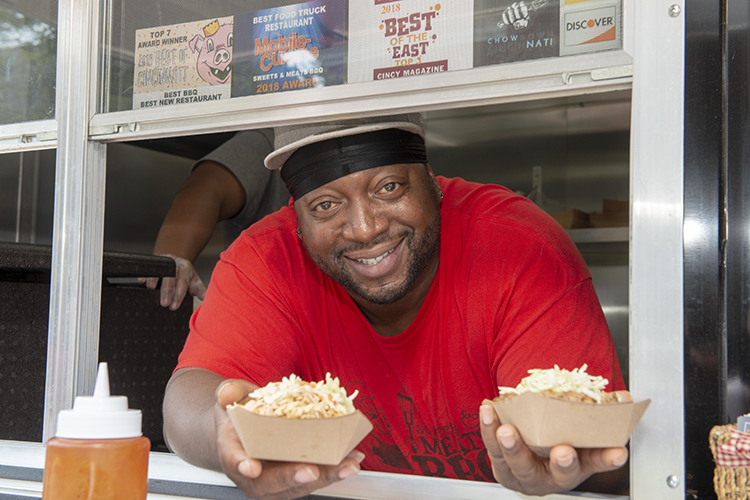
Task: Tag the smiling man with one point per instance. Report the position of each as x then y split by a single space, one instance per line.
423 293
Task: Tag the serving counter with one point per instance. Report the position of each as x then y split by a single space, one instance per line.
172 479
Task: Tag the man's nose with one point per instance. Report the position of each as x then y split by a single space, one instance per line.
364 221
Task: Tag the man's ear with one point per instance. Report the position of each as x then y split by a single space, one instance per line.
436 186
429 170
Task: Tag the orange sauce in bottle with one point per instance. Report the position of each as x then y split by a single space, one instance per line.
96 469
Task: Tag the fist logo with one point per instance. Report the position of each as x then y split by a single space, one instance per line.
517 15
214 52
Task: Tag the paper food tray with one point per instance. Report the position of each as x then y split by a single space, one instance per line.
324 441
546 422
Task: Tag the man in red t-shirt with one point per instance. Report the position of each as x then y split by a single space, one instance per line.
422 293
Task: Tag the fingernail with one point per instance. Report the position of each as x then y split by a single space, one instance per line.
507 439
488 414
305 475
218 394
619 462
358 456
348 471
245 468
565 461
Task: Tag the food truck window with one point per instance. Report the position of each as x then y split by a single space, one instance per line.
26 206
568 155
28 49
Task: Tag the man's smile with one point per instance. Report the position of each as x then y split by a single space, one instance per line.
376 262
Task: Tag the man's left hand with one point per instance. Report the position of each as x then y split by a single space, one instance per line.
517 467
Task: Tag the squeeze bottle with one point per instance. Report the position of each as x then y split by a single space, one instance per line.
98 451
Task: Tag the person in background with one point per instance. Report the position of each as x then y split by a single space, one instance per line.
422 293
230 184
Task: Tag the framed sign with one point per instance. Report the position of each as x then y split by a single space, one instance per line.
398 38
290 48
183 63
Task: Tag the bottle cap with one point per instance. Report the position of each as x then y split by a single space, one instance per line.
100 416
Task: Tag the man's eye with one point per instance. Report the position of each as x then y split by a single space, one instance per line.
321 207
391 187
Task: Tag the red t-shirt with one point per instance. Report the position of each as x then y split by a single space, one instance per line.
511 293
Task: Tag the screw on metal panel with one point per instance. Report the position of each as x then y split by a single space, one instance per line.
675 10
673 481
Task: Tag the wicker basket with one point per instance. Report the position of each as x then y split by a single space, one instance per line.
730 483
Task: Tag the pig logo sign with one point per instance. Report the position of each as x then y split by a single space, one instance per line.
183 63
214 50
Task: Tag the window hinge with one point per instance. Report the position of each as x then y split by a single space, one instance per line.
101 130
599 74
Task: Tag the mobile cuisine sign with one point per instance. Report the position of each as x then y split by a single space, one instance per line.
183 63
289 48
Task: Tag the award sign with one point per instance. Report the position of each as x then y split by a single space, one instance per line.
397 38
183 63
290 48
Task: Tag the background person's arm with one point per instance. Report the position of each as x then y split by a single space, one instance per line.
210 194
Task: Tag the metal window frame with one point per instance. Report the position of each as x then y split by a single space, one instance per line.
656 279
539 79
657 451
28 136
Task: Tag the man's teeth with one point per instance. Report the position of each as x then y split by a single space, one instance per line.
372 262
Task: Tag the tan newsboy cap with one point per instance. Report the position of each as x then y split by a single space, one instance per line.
290 138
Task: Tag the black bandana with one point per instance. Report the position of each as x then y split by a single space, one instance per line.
322 162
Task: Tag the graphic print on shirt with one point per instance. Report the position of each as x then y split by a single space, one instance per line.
450 450
379 442
409 408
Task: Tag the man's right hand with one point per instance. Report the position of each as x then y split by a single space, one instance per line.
262 479
173 290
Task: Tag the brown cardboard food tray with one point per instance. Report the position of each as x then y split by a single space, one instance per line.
610 205
610 219
546 422
324 441
572 219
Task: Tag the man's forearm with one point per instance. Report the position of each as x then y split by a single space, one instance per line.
189 424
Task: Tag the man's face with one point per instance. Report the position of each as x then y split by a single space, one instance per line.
376 232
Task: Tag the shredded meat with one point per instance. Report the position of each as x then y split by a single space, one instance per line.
607 397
